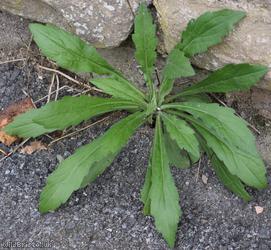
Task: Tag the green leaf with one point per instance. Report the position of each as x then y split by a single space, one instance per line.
248 168
97 169
69 51
164 196
177 66
232 77
182 134
232 182
119 88
230 139
165 89
23 125
223 121
145 41
71 174
61 114
207 30
178 158
145 192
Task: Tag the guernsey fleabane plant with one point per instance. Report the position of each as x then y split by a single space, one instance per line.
186 123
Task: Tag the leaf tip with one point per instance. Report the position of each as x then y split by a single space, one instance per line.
238 13
170 240
47 203
143 6
33 27
264 68
242 13
247 198
8 130
45 206
264 184
43 209
146 211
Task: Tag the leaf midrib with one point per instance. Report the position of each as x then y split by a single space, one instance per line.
230 149
112 105
195 87
204 31
184 138
82 55
206 113
137 93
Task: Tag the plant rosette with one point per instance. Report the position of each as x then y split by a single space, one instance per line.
186 124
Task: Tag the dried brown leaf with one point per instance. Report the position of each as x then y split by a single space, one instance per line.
7 139
7 116
34 146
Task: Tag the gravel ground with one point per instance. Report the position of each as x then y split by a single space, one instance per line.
108 214
13 31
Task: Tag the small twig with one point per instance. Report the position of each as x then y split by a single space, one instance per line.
15 149
199 165
13 60
29 44
33 103
3 152
61 88
83 92
57 87
225 105
25 93
50 137
77 131
50 87
46 96
217 99
157 76
70 78
130 7
27 50
5 157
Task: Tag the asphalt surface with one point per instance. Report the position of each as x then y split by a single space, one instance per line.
108 213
